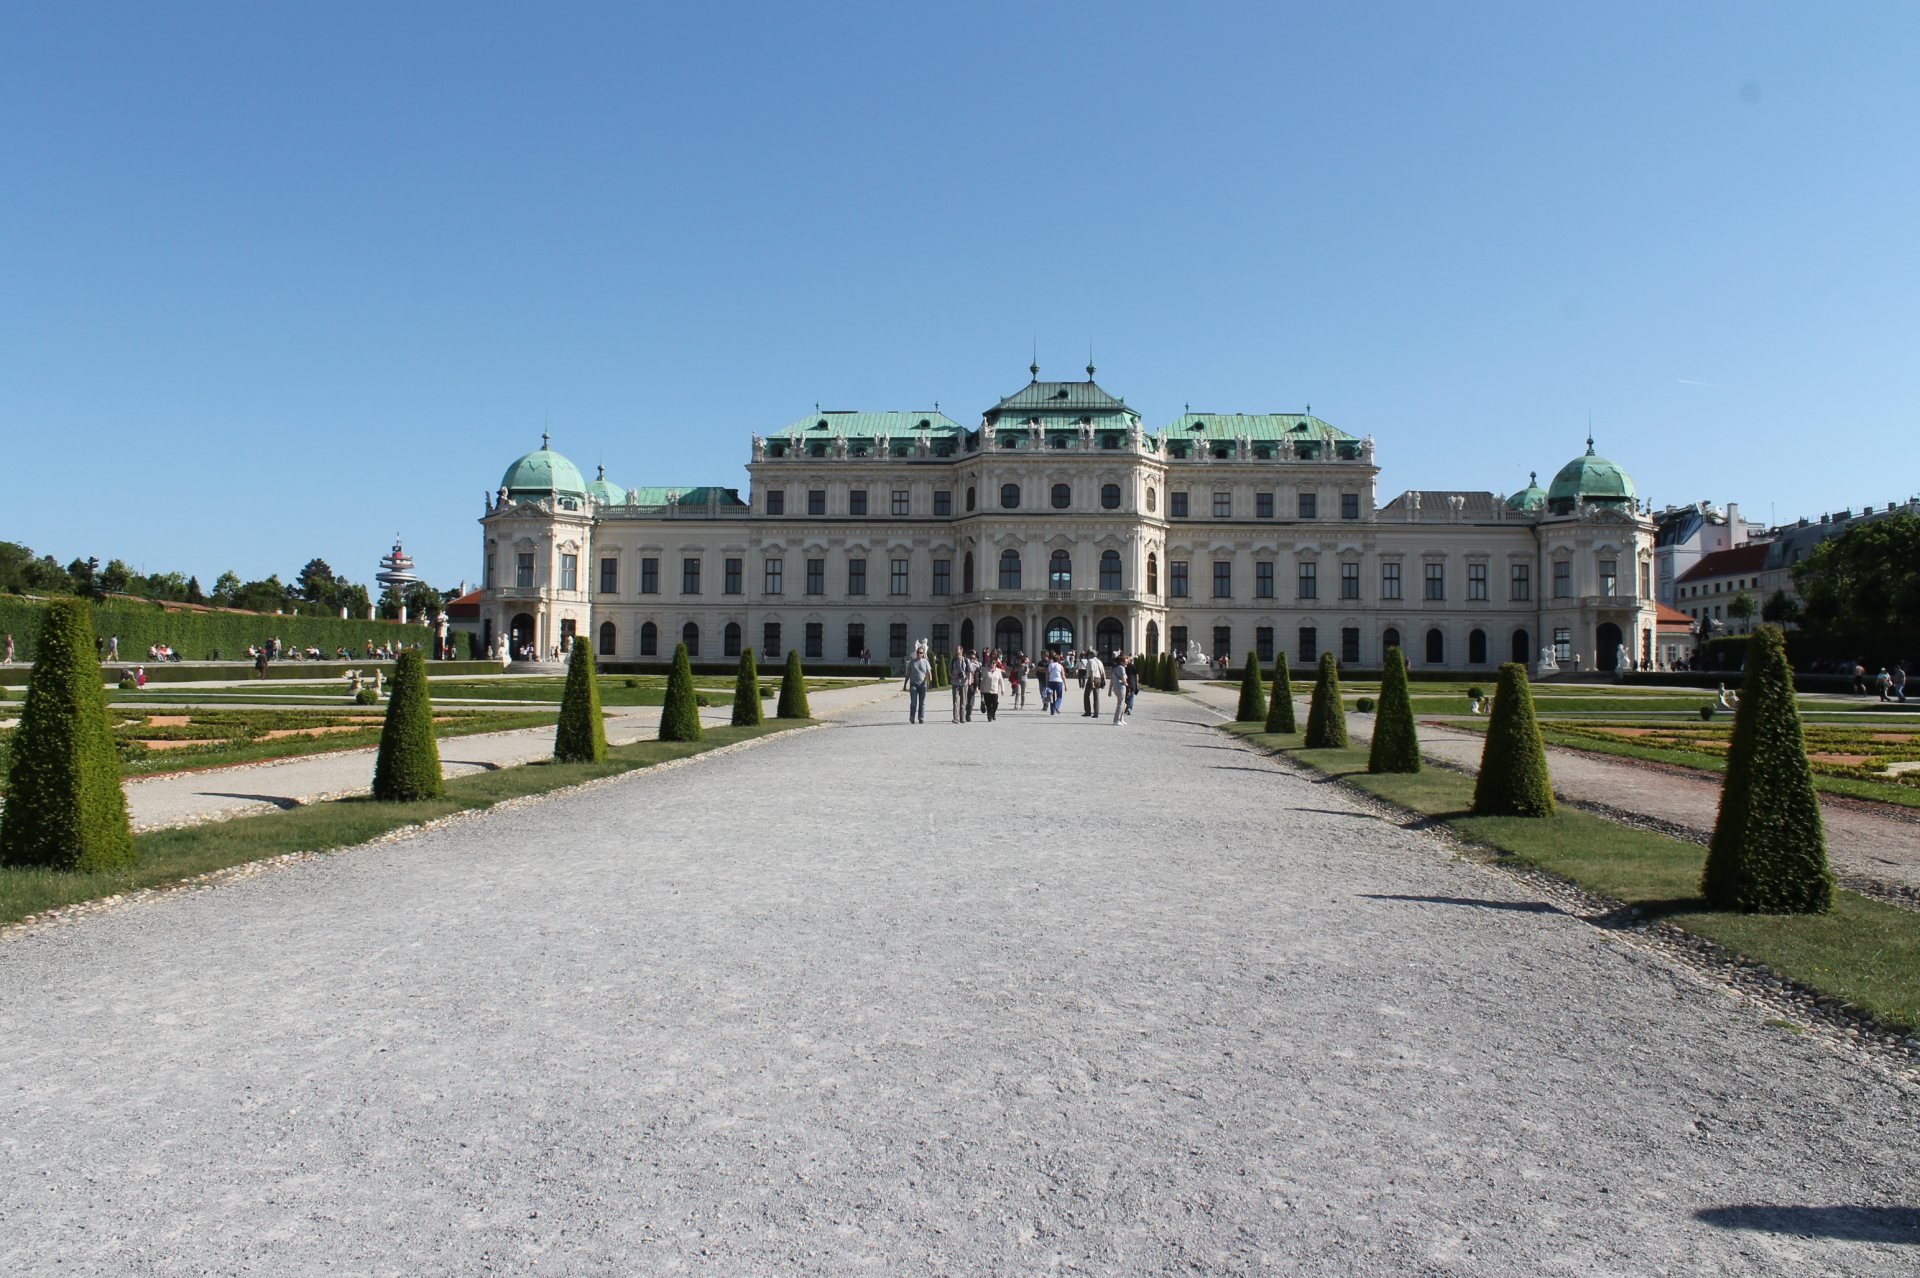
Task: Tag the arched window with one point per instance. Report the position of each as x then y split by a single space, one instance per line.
1477 648
1062 496
1151 500
1009 570
966 634
1009 496
606 638
729 640
1009 636
1522 648
1109 636
970 495
1436 648
649 640
966 574
1389 638
1153 575
1060 635
1109 570
690 636
1060 571
1153 638
1110 496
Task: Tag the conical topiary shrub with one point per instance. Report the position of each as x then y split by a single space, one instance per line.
746 692
1326 714
65 809
1253 696
582 734
1513 765
1173 674
1280 698
680 714
1769 848
793 690
409 764
1396 746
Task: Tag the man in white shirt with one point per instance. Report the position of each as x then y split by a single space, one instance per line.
1090 697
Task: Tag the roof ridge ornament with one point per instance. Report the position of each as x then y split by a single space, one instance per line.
545 441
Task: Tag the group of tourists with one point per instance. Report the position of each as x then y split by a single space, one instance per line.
990 679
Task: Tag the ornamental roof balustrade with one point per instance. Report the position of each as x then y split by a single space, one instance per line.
1077 594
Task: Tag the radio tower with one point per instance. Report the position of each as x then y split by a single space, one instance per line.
396 573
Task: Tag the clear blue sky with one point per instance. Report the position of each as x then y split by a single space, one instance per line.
278 281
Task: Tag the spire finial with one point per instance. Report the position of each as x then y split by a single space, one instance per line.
1034 367
603 471
545 441
1089 359
1533 479
1589 432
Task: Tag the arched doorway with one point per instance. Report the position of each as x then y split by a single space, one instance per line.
730 640
1010 636
690 636
607 637
1607 640
1153 638
649 639
1389 638
1060 635
1477 648
1522 649
1436 648
520 634
966 634
1109 636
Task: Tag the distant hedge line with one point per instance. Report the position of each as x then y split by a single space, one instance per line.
731 666
197 635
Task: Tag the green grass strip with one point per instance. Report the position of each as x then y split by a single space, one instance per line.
169 856
1865 952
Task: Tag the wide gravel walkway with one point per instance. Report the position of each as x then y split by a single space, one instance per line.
1031 997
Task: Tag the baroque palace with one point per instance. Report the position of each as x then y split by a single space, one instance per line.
1060 521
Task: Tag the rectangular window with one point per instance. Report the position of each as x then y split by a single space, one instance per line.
776 501
1309 505
1177 579
1562 644
649 640
770 640
1309 580
1520 586
1178 637
1263 644
1436 581
523 569
816 641
1223 579
938 640
569 572
856 639
1609 577
942 503
609 576
897 640
856 576
1109 572
487 580
901 502
1223 505
735 575
1309 650
1390 581
1476 581
1563 580
1263 505
649 576
1350 507
776 583
1646 580
689 576
816 501
1223 642
898 584
816 576
943 576
857 502
1263 580
1350 644
1178 505
1349 581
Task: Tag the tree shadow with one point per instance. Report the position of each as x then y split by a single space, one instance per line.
1854 1223
280 801
1360 816
485 766
1520 907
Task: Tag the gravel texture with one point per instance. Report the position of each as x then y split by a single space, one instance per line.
1036 996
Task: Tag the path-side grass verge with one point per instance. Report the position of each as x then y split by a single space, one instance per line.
1865 953
169 856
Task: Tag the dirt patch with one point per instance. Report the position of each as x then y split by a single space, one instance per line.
168 720
171 744
277 733
1849 760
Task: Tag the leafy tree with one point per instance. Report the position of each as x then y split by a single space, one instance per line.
226 588
409 764
1741 608
116 578
1326 713
84 574
16 562
65 809
1866 580
352 596
1253 697
680 715
1513 777
793 690
746 692
581 736
1280 717
316 582
194 594
1780 608
262 596
1769 849
422 600
1396 745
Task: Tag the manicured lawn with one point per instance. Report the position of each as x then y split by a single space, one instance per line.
1864 952
168 856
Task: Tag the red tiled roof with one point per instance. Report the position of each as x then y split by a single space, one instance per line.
1669 618
1751 557
467 605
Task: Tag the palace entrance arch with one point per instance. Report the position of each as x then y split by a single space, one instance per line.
1060 635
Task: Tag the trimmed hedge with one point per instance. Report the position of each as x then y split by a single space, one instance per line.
1513 777
1280 717
1768 854
793 690
746 692
1172 671
65 809
408 768
197 635
729 666
680 712
1253 697
1396 744
581 736
1326 713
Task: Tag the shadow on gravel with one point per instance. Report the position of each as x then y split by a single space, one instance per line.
1359 816
1522 907
1859 1224
280 801
481 764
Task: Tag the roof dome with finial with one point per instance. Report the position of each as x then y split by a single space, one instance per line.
1593 479
542 472
607 494
1532 497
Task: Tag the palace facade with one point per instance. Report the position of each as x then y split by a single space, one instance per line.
1060 520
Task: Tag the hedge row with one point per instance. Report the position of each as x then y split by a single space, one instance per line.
198 635
731 666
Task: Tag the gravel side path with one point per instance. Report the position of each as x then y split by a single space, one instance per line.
1859 842
1039 996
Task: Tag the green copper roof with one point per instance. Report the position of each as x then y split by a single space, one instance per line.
1594 478
694 495
1282 434
1044 399
1532 497
857 425
607 494
543 471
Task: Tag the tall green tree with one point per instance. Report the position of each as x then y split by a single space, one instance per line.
1253 696
65 809
793 690
1326 713
1396 744
1864 581
408 767
1513 777
1769 849
1280 717
581 736
746 692
1173 673
680 715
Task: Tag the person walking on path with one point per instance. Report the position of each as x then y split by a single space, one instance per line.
957 681
1056 684
992 680
1096 676
919 670
1133 683
1119 675
113 648
1899 680
9 656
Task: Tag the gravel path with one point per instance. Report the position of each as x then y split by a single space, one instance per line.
1039 996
